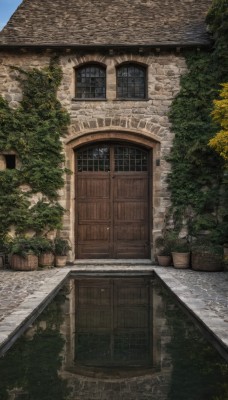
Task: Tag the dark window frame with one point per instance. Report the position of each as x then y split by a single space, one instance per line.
86 69
102 157
130 158
141 67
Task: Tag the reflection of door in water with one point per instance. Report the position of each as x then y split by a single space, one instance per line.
113 322
112 202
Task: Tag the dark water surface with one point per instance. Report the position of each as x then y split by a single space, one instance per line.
113 339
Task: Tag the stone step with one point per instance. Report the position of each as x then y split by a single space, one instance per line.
112 262
111 270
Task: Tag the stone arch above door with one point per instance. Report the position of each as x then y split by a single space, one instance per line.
133 130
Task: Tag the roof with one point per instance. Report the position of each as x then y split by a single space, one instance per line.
107 23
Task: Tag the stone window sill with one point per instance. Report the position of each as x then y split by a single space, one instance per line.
80 99
132 99
101 100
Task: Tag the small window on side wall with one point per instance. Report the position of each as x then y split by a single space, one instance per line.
7 161
131 82
90 82
10 161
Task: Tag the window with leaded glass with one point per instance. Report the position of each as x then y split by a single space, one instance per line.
116 158
91 82
94 159
130 159
131 81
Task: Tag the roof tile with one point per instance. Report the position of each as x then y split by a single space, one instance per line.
107 22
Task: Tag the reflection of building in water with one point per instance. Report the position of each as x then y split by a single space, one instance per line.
108 340
113 323
18 394
113 329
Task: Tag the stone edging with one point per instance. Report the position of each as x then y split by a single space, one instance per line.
18 321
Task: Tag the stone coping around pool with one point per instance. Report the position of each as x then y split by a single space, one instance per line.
203 294
210 312
29 309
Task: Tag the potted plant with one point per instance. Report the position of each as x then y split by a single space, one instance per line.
3 252
207 256
46 252
181 253
163 247
225 250
24 253
61 248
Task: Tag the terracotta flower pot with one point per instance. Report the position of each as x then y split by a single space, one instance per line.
225 250
164 261
46 260
28 263
2 260
60 261
181 260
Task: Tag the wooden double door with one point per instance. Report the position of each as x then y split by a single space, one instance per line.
112 202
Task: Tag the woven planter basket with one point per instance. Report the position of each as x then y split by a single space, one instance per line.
46 260
28 263
206 262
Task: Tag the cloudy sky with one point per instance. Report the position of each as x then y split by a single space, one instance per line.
7 8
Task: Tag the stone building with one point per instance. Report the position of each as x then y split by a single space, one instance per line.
122 61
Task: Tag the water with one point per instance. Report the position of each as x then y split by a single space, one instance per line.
113 339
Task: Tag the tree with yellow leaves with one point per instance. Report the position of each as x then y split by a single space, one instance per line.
220 115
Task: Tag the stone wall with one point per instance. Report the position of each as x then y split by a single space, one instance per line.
144 121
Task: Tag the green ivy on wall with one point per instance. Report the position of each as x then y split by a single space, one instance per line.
217 21
197 179
33 131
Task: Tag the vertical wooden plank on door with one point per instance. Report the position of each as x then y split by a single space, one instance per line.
94 215
131 215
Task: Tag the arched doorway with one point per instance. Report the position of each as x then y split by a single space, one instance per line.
112 201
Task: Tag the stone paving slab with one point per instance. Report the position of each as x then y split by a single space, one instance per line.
23 296
204 294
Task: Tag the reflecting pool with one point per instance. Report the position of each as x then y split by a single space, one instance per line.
113 339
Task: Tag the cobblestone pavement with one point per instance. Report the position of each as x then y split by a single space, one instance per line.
211 287
16 286
205 294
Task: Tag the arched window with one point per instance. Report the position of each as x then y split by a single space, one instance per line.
131 81
91 82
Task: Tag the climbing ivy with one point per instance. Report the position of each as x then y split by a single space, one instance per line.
196 180
217 20
33 131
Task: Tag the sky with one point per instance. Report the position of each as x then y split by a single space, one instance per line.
7 8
